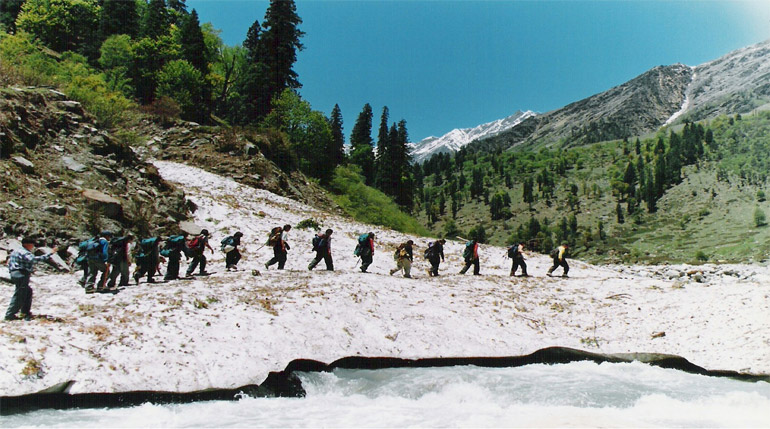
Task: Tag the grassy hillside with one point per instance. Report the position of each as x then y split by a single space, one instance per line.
712 211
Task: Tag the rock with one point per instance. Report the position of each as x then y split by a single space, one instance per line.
10 244
190 227
3 256
250 149
56 209
14 205
71 106
198 142
73 165
111 207
55 260
25 165
658 334
5 276
698 277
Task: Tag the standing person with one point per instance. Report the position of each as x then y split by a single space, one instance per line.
232 254
197 246
21 265
559 256
435 254
280 242
322 246
148 259
365 250
516 252
471 257
120 260
173 249
98 254
404 258
82 259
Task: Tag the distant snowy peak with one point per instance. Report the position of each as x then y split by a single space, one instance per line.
458 138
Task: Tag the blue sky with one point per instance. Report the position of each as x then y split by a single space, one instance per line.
442 65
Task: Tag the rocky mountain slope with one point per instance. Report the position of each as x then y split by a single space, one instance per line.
735 83
62 177
458 138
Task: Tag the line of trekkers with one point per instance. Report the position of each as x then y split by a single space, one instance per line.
105 259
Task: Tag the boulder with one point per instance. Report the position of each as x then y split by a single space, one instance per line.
55 260
111 207
190 227
56 209
25 165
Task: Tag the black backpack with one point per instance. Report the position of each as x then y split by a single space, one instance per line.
513 251
117 250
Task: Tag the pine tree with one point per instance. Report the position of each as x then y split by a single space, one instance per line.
252 85
279 44
118 17
155 22
619 213
194 48
361 145
338 138
383 161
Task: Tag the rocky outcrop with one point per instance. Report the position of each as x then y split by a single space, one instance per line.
64 177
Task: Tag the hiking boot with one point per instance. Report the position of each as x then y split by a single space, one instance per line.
564 276
407 276
11 318
89 291
267 266
549 274
136 279
26 317
151 281
392 271
525 275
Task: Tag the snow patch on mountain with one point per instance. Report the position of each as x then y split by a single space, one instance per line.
457 138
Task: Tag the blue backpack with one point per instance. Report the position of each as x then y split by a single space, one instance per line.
362 239
468 252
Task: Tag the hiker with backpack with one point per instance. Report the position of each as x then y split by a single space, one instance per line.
81 261
322 246
21 265
435 254
516 253
120 260
172 251
230 248
148 259
98 254
365 250
559 256
279 240
196 247
471 257
404 258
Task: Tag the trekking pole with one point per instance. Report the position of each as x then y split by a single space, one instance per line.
359 260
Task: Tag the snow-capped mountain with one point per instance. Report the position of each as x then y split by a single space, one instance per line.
457 138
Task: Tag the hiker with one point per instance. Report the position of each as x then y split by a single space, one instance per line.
98 254
435 254
148 259
230 248
21 265
365 250
172 250
322 246
471 257
279 239
516 253
196 247
559 259
404 258
82 259
120 260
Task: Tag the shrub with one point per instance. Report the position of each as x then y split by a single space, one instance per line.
700 256
759 217
366 204
309 224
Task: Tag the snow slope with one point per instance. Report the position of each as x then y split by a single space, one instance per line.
231 329
457 138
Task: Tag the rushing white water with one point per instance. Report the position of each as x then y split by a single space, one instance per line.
577 395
